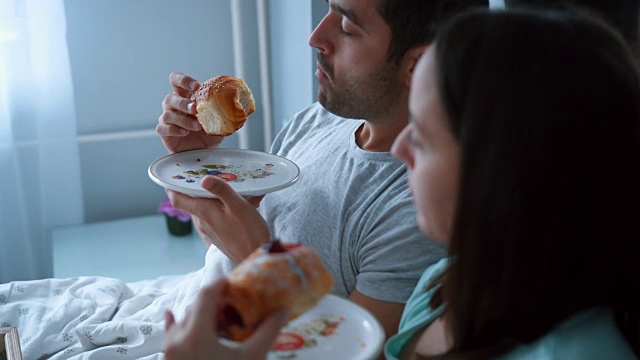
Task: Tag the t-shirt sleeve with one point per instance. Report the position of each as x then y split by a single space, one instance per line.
395 254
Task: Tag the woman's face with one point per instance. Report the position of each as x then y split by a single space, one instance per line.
431 152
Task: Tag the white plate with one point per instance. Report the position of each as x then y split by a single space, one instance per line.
335 329
250 173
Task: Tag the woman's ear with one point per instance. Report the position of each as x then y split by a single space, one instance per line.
410 61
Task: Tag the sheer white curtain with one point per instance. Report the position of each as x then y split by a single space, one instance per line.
40 185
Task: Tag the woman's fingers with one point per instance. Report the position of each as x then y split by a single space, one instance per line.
262 339
208 301
170 320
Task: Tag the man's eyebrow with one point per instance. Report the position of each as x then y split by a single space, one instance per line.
349 14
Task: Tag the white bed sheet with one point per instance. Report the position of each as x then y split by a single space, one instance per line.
101 318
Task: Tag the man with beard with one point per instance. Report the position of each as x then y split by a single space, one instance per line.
352 202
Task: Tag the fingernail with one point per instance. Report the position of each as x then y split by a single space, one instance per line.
193 85
190 107
184 131
195 125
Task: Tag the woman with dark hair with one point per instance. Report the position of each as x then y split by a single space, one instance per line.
524 157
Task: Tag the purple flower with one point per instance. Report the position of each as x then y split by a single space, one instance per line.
168 209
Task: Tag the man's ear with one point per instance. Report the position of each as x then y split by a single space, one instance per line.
410 61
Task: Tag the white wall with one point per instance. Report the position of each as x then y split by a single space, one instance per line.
121 54
292 62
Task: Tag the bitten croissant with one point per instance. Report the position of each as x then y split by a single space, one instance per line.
223 103
272 278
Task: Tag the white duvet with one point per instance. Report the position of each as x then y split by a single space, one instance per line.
100 318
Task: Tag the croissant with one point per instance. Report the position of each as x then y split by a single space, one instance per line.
223 104
272 278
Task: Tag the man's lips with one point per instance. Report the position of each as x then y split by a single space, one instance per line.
320 73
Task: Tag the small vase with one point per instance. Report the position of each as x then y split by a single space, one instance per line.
177 227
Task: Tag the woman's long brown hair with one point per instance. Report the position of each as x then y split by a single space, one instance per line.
545 106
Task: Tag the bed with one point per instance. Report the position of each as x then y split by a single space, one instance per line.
100 317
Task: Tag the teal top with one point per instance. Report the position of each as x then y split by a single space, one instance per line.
590 334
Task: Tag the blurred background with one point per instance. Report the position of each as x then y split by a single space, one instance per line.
81 86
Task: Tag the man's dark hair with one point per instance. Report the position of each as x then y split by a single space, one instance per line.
415 22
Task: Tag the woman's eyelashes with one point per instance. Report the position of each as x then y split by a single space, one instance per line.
414 141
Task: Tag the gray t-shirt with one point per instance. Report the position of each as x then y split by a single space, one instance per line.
353 206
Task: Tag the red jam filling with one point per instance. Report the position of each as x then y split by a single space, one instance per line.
276 246
228 316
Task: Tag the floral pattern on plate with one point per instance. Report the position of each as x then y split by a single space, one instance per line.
226 172
305 335
335 328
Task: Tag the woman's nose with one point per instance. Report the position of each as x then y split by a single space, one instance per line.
400 147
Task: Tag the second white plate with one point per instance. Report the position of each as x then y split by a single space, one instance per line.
335 329
250 173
